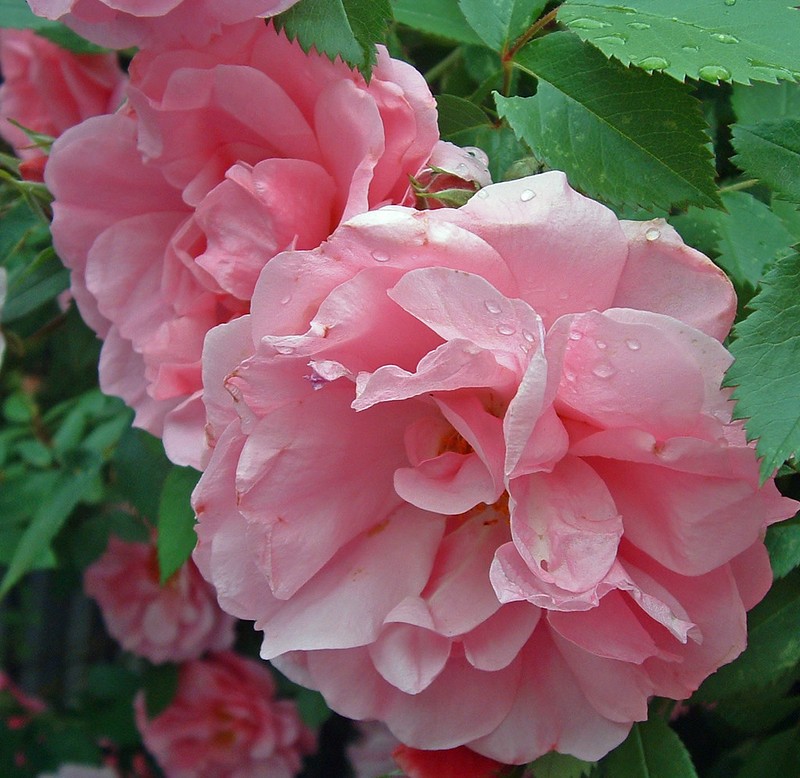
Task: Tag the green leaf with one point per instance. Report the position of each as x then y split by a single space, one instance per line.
763 102
437 17
339 28
500 22
141 466
775 756
458 115
770 151
555 765
41 281
16 14
620 135
712 41
752 238
652 750
176 536
783 544
160 685
500 144
773 645
765 374
757 714
312 708
54 510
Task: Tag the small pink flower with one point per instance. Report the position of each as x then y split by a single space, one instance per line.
48 89
119 24
225 723
171 623
167 211
475 476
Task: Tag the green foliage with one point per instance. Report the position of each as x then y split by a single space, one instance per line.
620 135
652 750
765 374
499 23
764 102
783 544
458 117
773 645
711 41
160 685
339 28
778 756
442 18
555 765
176 537
770 151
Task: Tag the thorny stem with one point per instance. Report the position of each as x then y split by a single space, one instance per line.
508 54
440 67
739 186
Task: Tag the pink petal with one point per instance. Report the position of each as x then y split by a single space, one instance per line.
664 275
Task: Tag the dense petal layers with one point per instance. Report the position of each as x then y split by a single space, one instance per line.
225 720
48 89
474 475
171 623
119 24
222 157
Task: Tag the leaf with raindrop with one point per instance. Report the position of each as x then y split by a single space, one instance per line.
725 40
620 135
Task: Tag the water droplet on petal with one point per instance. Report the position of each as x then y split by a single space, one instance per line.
653 63
529 336
505 329
714 73
526 195
604 370
316 380
584 23
287 299
633 344
575 335
652 234
492 306
639 25
285 350
461 168
600 344
724 37
483 194
380 256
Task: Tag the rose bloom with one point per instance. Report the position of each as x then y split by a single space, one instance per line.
48 89
475 476
171 623
118 24
167 211
225 722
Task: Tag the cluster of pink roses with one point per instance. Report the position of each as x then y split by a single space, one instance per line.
470 470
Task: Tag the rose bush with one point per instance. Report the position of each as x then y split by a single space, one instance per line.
122 23
474 474
171 623
48 89
225 722
167 211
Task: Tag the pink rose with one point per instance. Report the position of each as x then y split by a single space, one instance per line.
48 89
171 623
476 477
225 722
122 23
167 211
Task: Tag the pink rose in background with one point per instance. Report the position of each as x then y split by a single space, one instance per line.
474 475
171 623
122 23
167 211
49 89
225 722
